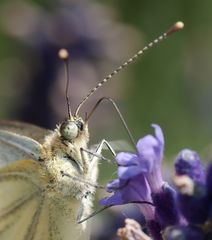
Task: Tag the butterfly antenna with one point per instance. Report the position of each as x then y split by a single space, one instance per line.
64 55
119 114
176 27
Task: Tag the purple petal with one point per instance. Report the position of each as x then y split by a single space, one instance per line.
150 153
113 185
158 134
146 152
130 172
135 190
125 159
150 149
115 199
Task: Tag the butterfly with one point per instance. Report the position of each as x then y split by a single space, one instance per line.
48 178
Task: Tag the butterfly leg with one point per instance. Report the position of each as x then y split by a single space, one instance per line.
97 152
99 156
100 147
96 155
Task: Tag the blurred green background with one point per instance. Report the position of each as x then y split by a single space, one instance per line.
170 85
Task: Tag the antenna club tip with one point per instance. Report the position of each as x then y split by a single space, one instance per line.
176 27
63 54
179 25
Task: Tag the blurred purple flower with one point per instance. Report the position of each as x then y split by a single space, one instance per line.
188 163
194 198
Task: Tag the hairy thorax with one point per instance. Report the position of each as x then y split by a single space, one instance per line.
67 167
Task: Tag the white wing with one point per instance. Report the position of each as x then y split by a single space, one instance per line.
20 200
20 141
30 211
15 147
25 129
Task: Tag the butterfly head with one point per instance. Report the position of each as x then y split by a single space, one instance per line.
72 128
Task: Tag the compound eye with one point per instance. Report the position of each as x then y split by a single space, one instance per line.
79 125
69 130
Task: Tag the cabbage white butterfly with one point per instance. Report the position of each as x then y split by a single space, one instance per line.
47 178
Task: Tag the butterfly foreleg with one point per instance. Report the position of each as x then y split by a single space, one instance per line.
100 147
96 155
93 173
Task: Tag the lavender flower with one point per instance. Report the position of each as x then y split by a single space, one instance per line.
140 179
184 214
136 169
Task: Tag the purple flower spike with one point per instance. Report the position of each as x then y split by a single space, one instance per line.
188 163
